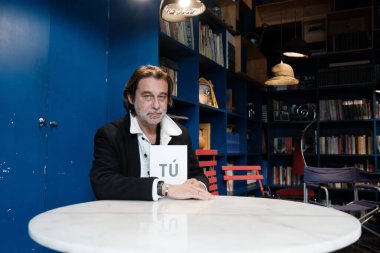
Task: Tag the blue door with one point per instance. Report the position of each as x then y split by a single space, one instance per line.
24 45
77 97
53 67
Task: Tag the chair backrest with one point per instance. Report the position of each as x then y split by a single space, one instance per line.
368 177
252 173
317 175
299 162
207 161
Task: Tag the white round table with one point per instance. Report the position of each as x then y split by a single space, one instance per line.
225 224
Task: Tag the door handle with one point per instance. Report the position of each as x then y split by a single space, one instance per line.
42 122
53 123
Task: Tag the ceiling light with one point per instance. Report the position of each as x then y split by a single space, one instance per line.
179 10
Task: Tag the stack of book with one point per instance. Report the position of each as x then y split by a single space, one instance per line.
342 73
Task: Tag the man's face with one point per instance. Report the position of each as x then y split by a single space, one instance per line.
151 100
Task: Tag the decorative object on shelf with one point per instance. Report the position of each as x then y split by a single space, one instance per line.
281 116
204 135
179 10
251 110
206 93
283 74
296 47
306 112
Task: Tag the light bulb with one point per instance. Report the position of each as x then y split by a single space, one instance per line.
184 3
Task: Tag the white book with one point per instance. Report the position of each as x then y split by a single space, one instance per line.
169 163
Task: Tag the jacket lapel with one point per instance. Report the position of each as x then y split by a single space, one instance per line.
132 156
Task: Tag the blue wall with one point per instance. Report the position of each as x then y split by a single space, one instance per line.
65 61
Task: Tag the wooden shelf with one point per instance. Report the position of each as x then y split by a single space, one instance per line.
291 11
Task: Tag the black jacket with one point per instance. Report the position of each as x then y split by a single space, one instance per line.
115 172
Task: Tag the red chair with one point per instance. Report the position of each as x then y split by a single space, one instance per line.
207 161
252 173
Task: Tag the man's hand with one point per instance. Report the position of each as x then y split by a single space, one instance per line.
196 183
189 190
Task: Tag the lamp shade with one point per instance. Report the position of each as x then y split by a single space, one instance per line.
296 47
179 10
283 74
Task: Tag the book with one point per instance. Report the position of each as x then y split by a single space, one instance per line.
230 51
169 163
348 63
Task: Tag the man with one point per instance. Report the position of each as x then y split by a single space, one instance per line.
121 153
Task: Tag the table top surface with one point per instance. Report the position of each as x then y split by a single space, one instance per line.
224 224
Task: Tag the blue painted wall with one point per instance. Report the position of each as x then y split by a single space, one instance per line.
66 61
133 41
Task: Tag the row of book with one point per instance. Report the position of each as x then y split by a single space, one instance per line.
211 44
337 109
349 41
180 31
364 73
171 68
346 144
284 175
283 145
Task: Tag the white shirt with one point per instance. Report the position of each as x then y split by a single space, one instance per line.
168 129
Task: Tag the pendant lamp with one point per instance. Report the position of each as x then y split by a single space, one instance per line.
296 47
283 74
179 10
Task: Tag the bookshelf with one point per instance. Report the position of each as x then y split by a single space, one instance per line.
345 131
345 100
229 123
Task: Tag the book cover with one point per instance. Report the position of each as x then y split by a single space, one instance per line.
169 163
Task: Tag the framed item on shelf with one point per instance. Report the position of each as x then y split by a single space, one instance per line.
204 135
206 93
281 116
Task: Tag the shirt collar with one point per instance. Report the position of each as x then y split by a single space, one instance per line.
168 126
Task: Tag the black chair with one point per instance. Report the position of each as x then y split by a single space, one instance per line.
299 164
363 209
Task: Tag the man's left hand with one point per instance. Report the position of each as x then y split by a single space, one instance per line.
196 183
